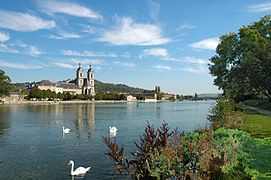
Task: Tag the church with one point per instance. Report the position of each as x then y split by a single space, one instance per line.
80 85
86 84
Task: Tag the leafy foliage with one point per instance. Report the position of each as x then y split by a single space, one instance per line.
109 96
207 154
223 113
242 65
4 84
245 156
151 143
51 95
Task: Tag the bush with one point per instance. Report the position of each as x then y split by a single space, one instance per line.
164 154
225 113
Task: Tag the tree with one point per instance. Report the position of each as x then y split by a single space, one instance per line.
4 84
242 65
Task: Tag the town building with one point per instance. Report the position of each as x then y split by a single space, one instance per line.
131 98
151 98
80 85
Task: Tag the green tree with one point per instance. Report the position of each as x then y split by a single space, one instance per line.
4 84
242 65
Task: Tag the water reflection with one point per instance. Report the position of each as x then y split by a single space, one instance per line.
112 134
85 115
4 119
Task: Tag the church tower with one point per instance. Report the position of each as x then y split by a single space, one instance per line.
79 76
90 80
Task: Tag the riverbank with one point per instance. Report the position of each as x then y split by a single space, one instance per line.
73 102
58 102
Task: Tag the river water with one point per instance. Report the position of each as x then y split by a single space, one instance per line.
32 145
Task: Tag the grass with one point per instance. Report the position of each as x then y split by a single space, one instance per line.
256 124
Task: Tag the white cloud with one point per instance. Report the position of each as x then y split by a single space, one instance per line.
88 29
73 9
260 7
34 51
210 43
5 49
197 70
20 48
4 37
163 53
29 49
192 60
23 21
64 65
65 35
155 52
185 26
162 67
127 32
88 61
87 53
125 64
18 65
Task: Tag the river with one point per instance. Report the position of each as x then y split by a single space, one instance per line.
32 145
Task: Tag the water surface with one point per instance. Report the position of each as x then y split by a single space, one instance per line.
32 145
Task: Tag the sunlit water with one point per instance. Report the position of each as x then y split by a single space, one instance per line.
32 145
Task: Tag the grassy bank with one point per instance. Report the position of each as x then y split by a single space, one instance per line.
252 130
256 124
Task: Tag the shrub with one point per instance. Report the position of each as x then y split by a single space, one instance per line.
225 113
151 144
164 154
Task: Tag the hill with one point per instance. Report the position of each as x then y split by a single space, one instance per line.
115 88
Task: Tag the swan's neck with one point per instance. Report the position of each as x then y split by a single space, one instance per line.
72 166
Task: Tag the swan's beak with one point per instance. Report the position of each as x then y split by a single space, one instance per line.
69 163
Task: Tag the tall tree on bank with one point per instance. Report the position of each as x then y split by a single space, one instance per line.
242 64
4 84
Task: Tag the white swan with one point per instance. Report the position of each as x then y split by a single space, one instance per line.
65 130
112 130
79 170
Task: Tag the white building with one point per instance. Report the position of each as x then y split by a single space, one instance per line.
86 84
131 98
81 86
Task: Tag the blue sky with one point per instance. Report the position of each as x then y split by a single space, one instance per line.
143 43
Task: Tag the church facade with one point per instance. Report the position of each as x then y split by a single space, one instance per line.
86 84
81 84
